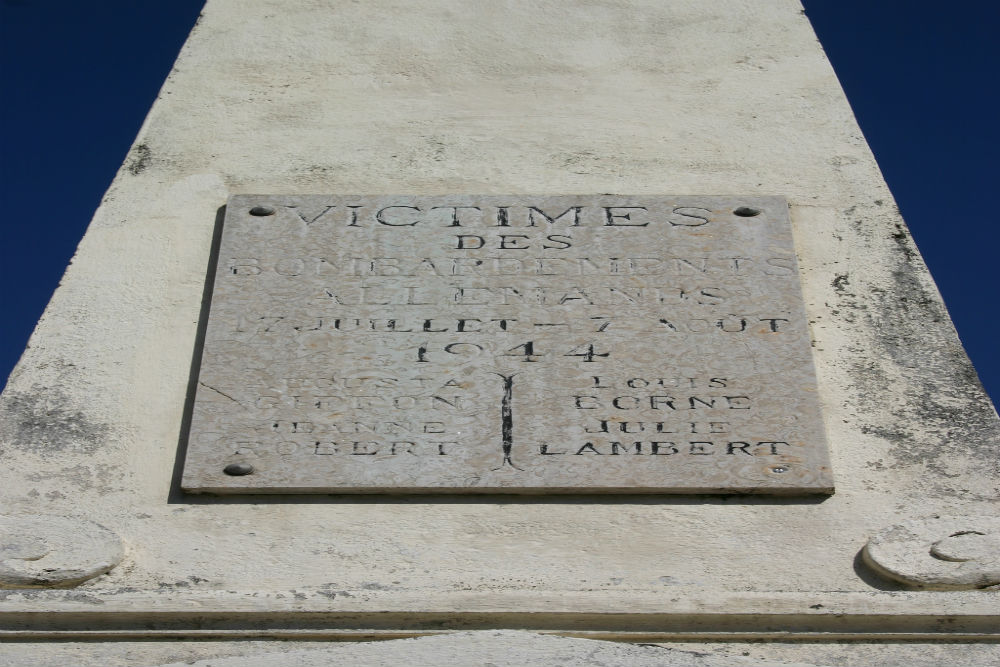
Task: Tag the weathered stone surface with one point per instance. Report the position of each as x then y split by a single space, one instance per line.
507 343
940 552
47 551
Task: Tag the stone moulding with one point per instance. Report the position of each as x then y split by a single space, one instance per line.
357 615
504 647
939 552
54 551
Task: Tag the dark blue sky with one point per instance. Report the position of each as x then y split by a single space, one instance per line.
78 77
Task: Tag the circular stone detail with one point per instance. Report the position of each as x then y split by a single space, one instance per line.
45 550
947 553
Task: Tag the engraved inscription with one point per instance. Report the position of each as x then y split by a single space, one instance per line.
507 344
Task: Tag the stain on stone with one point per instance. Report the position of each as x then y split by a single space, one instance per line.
44 421
102 478
374 586
438 146
840 282
914 298
327 591
902 241
580 162
842 160
139 160
82 597
914 363
895 435
849 302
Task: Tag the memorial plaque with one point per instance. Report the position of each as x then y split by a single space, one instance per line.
521 344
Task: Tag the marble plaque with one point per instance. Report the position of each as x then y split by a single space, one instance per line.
515 344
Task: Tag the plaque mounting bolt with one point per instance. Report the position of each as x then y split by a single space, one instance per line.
238 469
742 211
261 211
779 469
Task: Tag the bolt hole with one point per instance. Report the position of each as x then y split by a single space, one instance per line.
261 211
238 469
746 212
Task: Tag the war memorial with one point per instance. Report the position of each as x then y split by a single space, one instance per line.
498 333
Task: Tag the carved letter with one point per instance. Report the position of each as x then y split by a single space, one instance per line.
532 211
691 219
612 218
378 216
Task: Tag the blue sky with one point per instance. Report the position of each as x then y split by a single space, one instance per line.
78 77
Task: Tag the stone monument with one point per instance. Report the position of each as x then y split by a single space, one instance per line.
513 333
